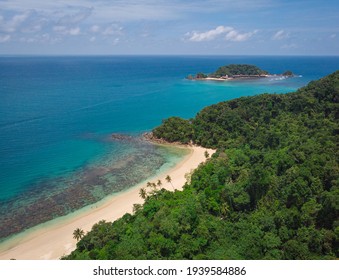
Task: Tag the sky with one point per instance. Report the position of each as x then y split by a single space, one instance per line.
171 27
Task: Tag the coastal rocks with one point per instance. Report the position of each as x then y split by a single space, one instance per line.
149 136
122 137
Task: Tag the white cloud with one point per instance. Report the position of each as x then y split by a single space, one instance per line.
5 38
95 28
113 29
75 17
239 37
64 30
209 35
11 25
74 31
230 34
280 35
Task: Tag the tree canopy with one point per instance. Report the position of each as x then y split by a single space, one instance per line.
238 69
269 192
175 129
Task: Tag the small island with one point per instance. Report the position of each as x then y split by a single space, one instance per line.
236 72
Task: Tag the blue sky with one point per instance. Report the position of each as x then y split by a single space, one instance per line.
227 27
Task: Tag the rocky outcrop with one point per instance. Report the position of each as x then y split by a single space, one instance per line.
149 136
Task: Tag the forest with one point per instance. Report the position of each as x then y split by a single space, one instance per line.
269 192
238 69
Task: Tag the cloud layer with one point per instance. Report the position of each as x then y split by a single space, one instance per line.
51 26
228 33
151 26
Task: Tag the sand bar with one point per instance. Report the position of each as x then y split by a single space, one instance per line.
54 239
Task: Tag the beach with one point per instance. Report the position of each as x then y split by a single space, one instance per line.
54 239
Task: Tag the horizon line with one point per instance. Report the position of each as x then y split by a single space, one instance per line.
154 55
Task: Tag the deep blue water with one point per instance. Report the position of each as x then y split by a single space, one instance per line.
57 114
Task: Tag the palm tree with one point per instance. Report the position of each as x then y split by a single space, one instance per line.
169 180
206 154
78 234
159 183
153 186
136 207
224 210
143 193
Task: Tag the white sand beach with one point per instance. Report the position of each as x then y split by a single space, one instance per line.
54 239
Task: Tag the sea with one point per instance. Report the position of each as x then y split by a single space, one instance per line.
58 114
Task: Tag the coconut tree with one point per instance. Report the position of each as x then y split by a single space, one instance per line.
78 234
224 210
136 207
169 180
159 183
153 187
143 193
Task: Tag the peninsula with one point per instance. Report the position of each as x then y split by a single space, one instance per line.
237 71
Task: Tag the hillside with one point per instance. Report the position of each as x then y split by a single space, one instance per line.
269 192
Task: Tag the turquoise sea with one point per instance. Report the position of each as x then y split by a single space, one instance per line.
57 115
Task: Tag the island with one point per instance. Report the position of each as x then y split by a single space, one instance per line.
236 72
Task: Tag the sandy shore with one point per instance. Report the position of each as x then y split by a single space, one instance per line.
54 239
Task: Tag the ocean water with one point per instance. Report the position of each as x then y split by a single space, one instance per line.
57 115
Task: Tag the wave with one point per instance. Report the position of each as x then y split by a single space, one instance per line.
278 78
21 122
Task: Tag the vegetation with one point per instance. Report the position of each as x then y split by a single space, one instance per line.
288 73
78 234
175 129
232 70
201 76
269 192
238 69
143 193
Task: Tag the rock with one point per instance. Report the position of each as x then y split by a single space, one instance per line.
121 137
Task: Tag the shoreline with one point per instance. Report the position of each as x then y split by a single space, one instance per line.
239 78
243 78
53 239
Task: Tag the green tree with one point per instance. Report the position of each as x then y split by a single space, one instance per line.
169 180
143 193
175 129
159 183
78 234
